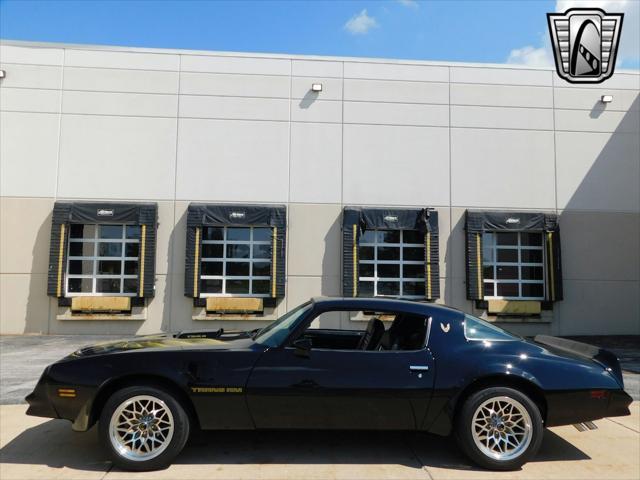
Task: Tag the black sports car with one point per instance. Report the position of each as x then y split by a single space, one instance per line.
434 369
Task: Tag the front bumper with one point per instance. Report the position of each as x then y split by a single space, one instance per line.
39 400
567 408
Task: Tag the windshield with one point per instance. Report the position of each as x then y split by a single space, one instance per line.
477 329
275 333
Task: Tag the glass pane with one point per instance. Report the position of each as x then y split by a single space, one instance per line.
366 270
110 231
488 289
237 286
413 271
211 286
488 239
211 268
131 267
130 285
238 269
531 239
261 269
261 234
213 233
132 231
366 253
368 236
413 288
242 234
412 236
413 253
508 290
531 256
533 290
389 271
108 285
487 253
487 272
262 251
109 268
261 287
388 253
131 250
237 251
81 249
211 251
507 238
509 255
82 231
389 236
508 273
476 329
365 289
80 285
532 273
110 249
80 267
388 288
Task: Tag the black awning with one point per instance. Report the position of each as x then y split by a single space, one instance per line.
421 219
205 214
489 220
104 212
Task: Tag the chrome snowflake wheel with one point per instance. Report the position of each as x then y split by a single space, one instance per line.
141 428
501 428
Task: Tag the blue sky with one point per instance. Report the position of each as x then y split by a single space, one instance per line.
470 31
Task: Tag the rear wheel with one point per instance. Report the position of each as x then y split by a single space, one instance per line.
143 428
499 428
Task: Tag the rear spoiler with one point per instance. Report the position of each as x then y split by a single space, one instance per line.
604 357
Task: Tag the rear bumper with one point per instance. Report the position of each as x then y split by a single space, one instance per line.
569 407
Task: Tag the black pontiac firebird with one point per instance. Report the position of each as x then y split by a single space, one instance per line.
434 369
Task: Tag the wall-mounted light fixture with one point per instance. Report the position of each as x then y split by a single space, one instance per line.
606 98
316 87
2 73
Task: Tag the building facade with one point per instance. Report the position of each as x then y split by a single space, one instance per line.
149 190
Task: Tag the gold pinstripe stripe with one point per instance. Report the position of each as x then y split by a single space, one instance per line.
60 258
428 248
196 263
551 273
143 239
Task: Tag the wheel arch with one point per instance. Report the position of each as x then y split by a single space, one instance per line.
529 388
164 383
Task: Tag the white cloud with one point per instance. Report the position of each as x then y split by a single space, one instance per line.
360 24
409 3
629 50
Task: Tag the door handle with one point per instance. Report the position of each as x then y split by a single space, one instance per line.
419 368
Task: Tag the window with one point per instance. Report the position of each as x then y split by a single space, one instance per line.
513 265
103 260
391 263
236 261
477 329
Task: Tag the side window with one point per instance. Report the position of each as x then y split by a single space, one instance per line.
477 329
380 331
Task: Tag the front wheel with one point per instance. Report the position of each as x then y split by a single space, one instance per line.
499 428
143 428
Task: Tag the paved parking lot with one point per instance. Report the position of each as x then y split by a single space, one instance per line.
39 448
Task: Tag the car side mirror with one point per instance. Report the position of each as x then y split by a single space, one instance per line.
302 347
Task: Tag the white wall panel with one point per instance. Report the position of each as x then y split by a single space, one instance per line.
589 99
222 160
28 154
385 165
117 157
331 88
501 76
30 100
396 114
31 55
502 168
120 80
598 121
316 68
234 108
501 95
316 111
499 117
316 162
234 85
121 59
396 91
396 71
109 103
223 64
31 76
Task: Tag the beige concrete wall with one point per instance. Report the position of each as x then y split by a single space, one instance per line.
179 126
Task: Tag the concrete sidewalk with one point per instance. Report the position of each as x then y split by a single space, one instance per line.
40 448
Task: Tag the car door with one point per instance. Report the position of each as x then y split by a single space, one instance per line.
335 389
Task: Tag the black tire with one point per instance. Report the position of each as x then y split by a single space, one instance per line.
181 428
465 436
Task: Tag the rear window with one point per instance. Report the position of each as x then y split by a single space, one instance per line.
477 329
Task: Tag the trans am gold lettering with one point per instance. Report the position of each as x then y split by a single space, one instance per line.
216 389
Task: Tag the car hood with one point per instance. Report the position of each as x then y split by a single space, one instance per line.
235 340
